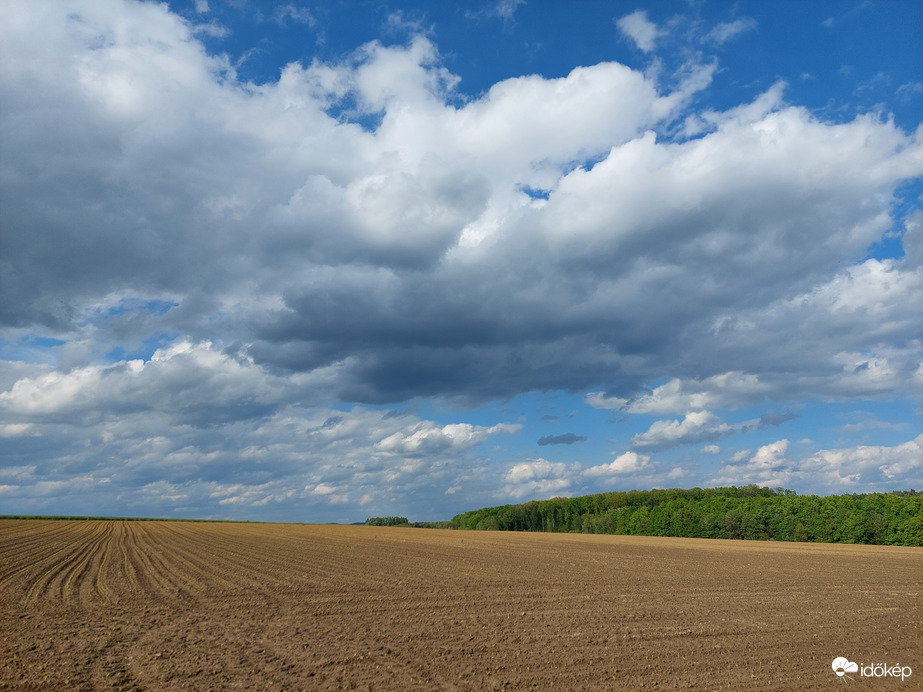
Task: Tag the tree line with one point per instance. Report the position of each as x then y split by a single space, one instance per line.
387 521
402 521
749 512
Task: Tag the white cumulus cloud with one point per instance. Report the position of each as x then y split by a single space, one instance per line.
639 29
697 426
629 462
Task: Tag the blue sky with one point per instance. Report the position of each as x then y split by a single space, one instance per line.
323 261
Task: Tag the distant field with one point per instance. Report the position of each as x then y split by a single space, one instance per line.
170 606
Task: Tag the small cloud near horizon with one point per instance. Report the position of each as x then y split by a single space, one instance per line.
565 439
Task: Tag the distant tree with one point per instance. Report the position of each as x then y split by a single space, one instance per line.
432 525
488 524
387 521
912 533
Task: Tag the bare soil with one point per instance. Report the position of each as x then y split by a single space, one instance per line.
105 605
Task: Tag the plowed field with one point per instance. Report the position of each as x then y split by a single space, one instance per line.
168 606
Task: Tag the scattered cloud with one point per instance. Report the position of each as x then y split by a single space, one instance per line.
726 31
538 479
909 90
600 400
834 470
773 419
868 421
228 419
213 29
729 389
629 462
869 465
314 457
639 29
565 439
698 426
497 9
427 438
768 467
878 83
506 9
299 15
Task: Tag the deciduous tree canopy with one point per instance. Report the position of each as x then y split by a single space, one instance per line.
748 512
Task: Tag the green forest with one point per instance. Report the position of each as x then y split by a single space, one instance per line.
749 512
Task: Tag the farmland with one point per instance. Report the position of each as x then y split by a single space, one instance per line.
204 606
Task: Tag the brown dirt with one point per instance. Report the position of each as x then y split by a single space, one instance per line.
96 605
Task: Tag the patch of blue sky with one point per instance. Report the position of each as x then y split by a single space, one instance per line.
829 53
830 424
879 422
889 247
907 201
535 193
348 110
542 414
143 351
30 348
838 59
151 307
42 341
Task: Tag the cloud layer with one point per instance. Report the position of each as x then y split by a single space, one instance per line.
360 232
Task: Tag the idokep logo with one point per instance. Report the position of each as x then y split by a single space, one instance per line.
842 666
